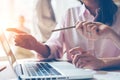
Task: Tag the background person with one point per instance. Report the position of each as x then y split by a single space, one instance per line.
44 21
20 52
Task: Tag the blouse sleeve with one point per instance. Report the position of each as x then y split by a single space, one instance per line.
55 42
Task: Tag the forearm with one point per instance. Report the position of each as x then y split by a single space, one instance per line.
115 38
42 50
111 62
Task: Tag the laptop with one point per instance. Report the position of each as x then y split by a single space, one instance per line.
44 70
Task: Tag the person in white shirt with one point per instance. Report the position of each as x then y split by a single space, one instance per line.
44 21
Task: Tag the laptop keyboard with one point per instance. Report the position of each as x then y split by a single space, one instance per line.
41 69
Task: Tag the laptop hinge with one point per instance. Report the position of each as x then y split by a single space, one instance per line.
19 70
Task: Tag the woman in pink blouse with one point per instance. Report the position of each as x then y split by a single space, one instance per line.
74 40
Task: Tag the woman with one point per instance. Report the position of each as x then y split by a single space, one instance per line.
106 13
74 42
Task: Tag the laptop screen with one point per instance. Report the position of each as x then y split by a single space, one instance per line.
7 48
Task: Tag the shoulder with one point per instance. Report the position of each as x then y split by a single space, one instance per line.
71 15
74 9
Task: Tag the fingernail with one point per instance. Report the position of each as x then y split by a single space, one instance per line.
72 56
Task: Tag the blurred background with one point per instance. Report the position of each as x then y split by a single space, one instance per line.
36 17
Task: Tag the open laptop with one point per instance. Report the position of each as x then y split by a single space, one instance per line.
53 70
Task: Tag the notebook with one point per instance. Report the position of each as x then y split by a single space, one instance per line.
50 70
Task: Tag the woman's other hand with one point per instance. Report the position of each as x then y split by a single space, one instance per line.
74 51
86 60
94 30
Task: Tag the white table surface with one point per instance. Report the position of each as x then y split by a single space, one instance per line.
9 74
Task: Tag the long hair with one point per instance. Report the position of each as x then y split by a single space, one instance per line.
106 12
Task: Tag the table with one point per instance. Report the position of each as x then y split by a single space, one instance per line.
9 74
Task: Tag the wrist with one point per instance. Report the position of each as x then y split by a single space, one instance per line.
110 62
42 50
112 34
37 46
103 64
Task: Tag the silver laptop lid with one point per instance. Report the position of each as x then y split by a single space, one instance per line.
7 48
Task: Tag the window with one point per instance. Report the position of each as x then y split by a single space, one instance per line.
10 12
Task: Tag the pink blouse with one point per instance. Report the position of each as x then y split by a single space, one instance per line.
65 40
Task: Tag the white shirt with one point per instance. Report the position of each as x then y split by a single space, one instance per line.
68 39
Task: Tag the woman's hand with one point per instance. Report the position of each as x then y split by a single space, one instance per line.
23 39
27 41
86 60
74 51
94 30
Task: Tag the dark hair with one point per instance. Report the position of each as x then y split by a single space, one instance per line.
107 12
